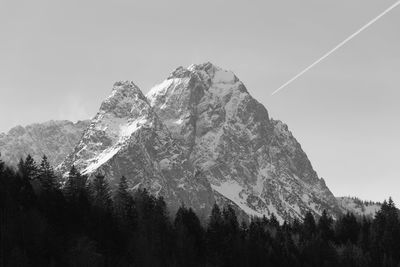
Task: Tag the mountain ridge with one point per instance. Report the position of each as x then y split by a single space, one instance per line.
54 138
197 138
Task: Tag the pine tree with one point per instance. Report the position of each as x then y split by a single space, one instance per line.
229 219
27 171
309 226
347 228
122 199
189 238
325 226
75 187
386 230
101 194
231 236
28 168
1 165
215 218
46 175
214 235
273 221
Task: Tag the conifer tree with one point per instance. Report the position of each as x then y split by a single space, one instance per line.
229 219
28 168
122 198
347 228
230 238
189 237
27 172
309 226
46 175
273 221
386 230
215 218
75 187
1 165
101 194
325 226
214 235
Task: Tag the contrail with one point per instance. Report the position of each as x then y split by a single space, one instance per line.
338 46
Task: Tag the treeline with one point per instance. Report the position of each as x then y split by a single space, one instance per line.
360 202
83 224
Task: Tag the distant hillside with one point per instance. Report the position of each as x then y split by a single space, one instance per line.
55 139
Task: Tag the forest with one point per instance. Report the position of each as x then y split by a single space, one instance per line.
82 222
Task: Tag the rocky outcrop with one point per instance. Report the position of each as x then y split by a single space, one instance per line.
126 138
248 158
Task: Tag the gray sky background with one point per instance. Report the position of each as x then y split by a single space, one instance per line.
59 59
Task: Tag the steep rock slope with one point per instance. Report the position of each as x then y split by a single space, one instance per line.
127 138
56 139
248 158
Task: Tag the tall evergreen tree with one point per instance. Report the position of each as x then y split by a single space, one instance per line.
214 236
100 192
309 226
347 228
386 232
46 175
122 199
273 221
189 238
75 186
231 236
1 165
27 171
28 168
324 226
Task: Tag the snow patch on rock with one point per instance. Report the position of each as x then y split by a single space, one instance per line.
236 193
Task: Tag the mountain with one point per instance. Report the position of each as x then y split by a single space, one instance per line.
56 139
248 158
127 138
199 137
358 207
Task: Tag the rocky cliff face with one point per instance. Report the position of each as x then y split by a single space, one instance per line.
248 158
126 138
55 139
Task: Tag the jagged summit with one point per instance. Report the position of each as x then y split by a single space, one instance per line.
207 72
126 100
126 87
200 137
214 73
121 114
127 138
200 76
249 159
197 138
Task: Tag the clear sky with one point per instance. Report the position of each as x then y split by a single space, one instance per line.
59 59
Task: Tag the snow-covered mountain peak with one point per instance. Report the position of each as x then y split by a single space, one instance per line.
126 100
207 73
125 88
214 73
121 114
127 138
196 83
248 158
200 137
